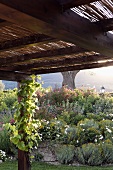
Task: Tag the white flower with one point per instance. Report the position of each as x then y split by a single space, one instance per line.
111 115
109 130
35 147
2 155
58 135
101 137
95 140
66 130
47 122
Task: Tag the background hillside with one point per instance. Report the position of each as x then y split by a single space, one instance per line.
87 78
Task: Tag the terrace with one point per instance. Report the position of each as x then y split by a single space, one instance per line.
54 36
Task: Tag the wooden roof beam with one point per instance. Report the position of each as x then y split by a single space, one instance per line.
40 54
13 76
46 17
66 4
67 65
106 24
16 76
71 68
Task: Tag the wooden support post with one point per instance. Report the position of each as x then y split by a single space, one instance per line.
23 157
23 160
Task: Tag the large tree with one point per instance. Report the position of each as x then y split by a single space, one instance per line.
69 78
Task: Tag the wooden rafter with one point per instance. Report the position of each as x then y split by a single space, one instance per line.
34 38
56 62
37 54
47 14
12 35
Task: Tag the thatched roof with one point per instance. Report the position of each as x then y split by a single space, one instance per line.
54 36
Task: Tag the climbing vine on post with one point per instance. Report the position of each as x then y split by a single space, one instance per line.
24 132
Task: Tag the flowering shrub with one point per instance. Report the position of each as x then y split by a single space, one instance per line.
51 130
2 155
88 131
78 100
70 136
106 128
80 111
103 105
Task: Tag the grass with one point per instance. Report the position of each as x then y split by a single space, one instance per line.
40 166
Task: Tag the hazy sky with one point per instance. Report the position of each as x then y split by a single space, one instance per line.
103 71
96 77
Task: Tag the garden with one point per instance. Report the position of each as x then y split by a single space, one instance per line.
77 124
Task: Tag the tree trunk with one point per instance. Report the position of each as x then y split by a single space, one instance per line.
69 78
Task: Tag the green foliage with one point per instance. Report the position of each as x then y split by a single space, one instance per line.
106 128
88 131
3 105
70 136
10 98
65 154
107 152
5 143
94 155
71 117
89 154
23 133
52 130
6 118
103 105
7 100
97 117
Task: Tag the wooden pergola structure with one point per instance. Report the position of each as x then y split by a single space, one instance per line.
47 36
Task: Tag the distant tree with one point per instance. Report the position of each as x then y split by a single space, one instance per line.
2 86
69 78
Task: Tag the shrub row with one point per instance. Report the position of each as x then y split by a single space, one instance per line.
88 154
